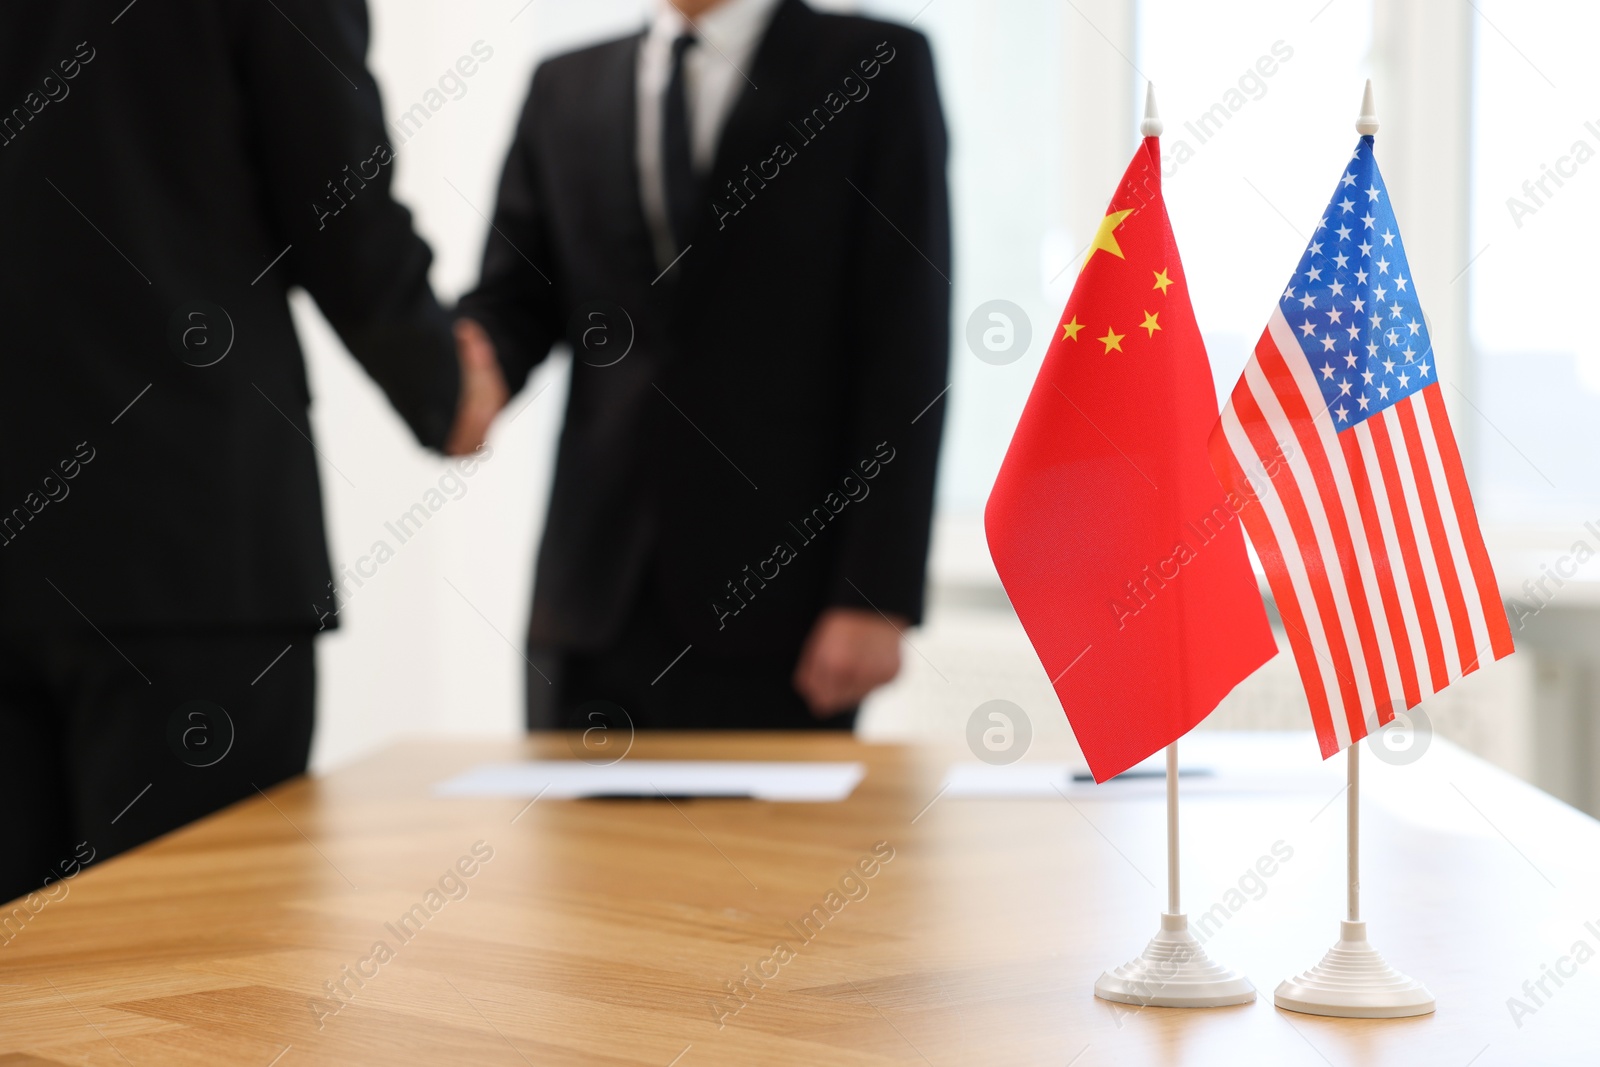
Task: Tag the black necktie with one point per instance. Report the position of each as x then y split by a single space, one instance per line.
677 162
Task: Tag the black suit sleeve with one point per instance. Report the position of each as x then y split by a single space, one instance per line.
898 327
326 164
516 300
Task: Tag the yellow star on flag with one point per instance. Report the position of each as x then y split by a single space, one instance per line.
1069 330
1105 237
1162 281
1150 323
1112 340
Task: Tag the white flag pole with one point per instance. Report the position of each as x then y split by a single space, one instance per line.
1353 981
1352 809
1172 830
1151 125
1174 970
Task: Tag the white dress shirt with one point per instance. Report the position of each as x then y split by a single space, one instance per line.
714 74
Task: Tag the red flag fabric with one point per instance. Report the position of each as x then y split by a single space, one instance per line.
1119 549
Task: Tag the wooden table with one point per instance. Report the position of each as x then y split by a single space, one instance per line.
603 932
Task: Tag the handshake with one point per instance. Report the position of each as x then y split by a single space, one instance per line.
483 389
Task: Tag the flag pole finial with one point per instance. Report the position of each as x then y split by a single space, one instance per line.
1367 121
1151 126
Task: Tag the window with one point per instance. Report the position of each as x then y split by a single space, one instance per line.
1535 215
1259 110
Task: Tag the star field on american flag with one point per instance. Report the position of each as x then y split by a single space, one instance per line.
1353 304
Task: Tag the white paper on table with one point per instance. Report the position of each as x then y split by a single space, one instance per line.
813 782
1010 780
1221 764
1024 780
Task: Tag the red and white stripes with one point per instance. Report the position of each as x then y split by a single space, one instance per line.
1368 537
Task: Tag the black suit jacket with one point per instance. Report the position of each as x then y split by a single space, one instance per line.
798 346
190 156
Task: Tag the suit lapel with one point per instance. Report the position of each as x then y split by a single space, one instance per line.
757 119
616 94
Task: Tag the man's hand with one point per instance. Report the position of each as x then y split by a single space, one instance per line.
848 654
483 389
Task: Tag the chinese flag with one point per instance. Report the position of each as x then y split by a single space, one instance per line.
1119 549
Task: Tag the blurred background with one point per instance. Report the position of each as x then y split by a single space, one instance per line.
1491 129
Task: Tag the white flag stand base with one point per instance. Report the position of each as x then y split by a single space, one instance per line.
1354 982
1174 972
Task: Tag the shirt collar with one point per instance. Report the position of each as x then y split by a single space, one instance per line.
732 27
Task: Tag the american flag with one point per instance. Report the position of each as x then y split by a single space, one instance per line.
1337 452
